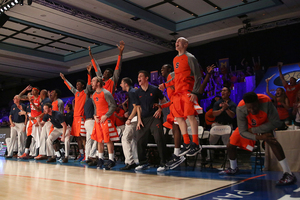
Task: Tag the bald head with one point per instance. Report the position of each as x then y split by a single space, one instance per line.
44 94
16 99
181 45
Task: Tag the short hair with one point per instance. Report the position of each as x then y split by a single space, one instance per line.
145 73
127 80
227 89
49 105
110 70
250 97
168 66
58 92
99 79
81 81
183 38
70 106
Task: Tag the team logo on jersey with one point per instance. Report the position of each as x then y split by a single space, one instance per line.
177 65
253 122
151 94
13 108
140 96
97 99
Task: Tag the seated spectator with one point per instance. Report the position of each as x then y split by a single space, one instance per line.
209 117
224 111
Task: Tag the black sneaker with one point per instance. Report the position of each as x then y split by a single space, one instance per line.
129 167
93 162
230 171
175 161
286 179
110 164
185 149
194 149
100 163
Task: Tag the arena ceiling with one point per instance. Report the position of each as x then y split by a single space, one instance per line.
51 36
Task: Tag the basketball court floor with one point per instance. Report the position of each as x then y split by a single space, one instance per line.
39 180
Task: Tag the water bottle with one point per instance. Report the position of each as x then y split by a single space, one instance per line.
293 125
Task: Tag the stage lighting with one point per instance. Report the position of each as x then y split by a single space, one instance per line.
5 8
16 1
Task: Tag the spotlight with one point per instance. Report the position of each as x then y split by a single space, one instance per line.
1 10
5 8
16 1
8 6
12 4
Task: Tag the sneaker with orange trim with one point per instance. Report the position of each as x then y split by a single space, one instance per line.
41 157
24 156
80 157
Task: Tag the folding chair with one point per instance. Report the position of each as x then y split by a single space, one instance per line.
219 131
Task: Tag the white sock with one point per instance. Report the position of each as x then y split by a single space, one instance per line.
176 151
81 151
111 157
101 155
57 153
285 166
27 151
233 164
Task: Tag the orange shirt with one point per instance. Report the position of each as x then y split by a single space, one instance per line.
291 93
104 103
187 73
34 112
265 121
283 113
209 118
111 83
117 120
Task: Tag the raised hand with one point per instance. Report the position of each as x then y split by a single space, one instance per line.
210 69
62 76
121 46
28 88
90 52
89 68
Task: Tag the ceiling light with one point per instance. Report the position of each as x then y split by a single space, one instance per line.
12 3
1 10
5 8
16 1
8 6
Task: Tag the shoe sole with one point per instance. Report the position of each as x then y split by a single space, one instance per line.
177 164
144 168
195 153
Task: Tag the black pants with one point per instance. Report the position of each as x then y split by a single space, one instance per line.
151 126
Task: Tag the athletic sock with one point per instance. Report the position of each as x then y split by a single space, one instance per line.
285 166
101 156
176 151
27 151
186 138
57 153
81 151
233 164
111 157
195 139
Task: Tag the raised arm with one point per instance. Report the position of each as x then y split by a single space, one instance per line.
95 64
206 79
68 84
24 97
284 83
118 67
267 89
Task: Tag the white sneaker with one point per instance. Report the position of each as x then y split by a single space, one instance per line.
162 168
142 167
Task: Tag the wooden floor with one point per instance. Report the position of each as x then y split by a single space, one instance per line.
33 180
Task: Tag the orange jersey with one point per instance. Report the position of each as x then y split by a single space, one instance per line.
111 83
104 103
187 73
80 98
58 105
117 120
291 93
265 121
37 103
282 111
